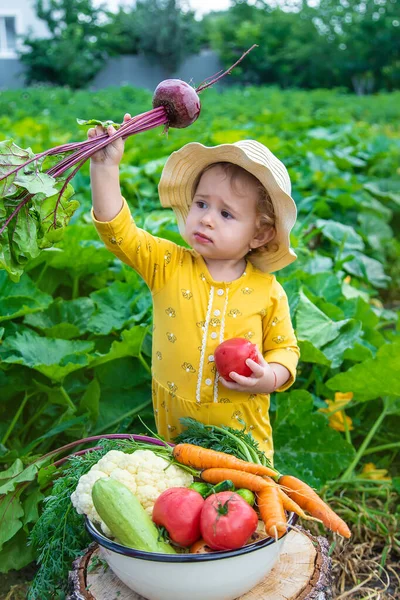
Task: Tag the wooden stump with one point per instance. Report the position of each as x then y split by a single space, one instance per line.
303 572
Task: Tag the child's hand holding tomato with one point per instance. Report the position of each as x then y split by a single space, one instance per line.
261 381
242 368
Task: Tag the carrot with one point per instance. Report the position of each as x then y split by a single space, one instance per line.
204 458
240 479
269 502
291 506
309 500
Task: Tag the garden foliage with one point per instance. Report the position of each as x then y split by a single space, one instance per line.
75 330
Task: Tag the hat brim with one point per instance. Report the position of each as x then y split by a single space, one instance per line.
181 172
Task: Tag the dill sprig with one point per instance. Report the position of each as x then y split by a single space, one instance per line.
223 439
59 535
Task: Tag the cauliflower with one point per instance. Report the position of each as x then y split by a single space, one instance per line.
143 472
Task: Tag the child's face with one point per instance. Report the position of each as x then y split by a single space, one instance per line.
222 225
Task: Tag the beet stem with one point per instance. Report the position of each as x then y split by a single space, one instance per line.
15 212
149 121
205 86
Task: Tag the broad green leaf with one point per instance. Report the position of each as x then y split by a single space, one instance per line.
31 506
325 285
16 553
305 445
317 264
45 475
18 242
54 213
332 311
11 512
54 358
12 471
349 291
81 252
64 319
358 353
20 476
132 340
36 182
341 234
90 400
346 159
349 334
373 378
114 308
113 408
22 298
292 288
11 156
375 190
313 325
361 310
376 230
367 268
309 353
128 371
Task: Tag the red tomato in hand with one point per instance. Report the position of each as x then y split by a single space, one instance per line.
232 354
178 510
227 521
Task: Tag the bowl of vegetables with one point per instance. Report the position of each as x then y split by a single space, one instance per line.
170 530
215 575
206 517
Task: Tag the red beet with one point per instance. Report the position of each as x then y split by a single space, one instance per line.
180 101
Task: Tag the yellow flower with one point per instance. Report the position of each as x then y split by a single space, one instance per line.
343 399
337 417
376 302
371 472
347 279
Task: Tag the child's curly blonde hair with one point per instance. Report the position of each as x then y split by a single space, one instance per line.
265 208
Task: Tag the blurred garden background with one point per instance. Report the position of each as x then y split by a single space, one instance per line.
321 90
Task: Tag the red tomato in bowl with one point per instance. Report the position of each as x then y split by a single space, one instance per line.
227 521
178 510
232 354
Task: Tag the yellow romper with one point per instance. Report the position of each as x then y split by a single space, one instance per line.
193 313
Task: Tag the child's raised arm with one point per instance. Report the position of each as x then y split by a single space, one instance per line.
104 176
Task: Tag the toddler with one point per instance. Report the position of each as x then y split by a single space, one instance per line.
234 208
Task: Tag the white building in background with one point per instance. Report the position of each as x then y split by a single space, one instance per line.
17 18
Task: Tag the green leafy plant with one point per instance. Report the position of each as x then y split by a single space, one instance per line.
75 331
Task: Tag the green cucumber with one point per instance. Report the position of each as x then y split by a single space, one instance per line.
247 495
126 518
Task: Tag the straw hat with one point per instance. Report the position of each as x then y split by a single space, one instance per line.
176 189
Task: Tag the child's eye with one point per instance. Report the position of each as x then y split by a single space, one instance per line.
201 204
226 215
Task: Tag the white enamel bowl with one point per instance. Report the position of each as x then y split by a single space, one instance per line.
213 576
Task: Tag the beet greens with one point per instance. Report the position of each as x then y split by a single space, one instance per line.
36 200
